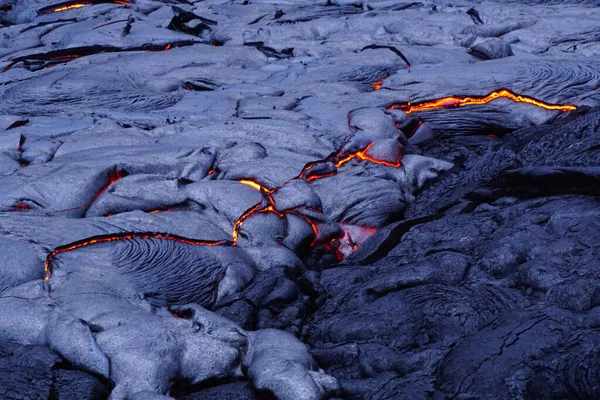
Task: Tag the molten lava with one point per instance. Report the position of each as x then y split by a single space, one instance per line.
21 207
113 176
377 84
49 59
72 5
240 221
266 205
452 102
363 156
124 236
253 184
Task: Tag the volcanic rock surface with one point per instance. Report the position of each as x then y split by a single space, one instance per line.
248 199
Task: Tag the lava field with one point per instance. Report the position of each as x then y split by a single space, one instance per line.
299 199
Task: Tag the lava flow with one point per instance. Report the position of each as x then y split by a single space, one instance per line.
452 102
72 5
363 156
35 62
267 204
113 176
123 236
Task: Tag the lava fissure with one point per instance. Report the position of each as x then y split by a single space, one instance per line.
267 204
18 124
453 102
64 56
71 5
124 236
113 176
391 48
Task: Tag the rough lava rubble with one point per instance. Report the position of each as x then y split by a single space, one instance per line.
246 199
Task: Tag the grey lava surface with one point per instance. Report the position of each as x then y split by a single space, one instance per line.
299 199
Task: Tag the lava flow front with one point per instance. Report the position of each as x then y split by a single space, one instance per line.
451 102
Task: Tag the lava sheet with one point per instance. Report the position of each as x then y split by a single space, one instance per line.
301 200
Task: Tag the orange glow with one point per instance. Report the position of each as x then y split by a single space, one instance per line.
240 221
377 84
168 47
363 156
211 171
21 143
253 184
315 177
159 211
266 205
123 236
113 176
71 6
312 225
21 207
272 209
452 102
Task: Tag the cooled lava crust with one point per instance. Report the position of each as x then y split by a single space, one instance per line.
251 199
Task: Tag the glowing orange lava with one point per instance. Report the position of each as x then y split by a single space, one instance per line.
377 84
240 221
71 7
363 156
451 102
253 184
113 176
124 236
266 205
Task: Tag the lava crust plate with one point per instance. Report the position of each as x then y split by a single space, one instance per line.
299 199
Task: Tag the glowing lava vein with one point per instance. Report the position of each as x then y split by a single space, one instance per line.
452 102
267 203
123 236
73 5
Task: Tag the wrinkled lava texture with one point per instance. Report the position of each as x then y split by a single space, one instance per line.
299 199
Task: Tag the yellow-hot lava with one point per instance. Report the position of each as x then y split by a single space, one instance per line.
251 183
71 7
451 102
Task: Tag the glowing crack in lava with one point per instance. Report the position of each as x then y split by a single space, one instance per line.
267 204
72 5
363 156
452 102
113 176
346 244
35 62
123 236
